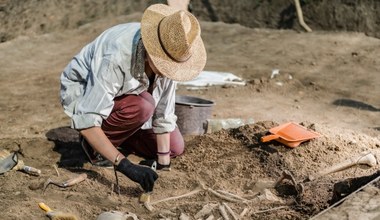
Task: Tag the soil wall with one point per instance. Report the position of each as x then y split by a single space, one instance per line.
342 15
29 17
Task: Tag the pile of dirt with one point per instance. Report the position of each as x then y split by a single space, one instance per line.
327 81
232 160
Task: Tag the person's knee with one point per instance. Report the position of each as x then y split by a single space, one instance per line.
146 107
146 110
177 150
177 143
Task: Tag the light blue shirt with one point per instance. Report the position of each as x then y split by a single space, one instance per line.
103 70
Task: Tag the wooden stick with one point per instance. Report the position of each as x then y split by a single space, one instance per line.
223 212
211 217
225 197
272 209
177 197
249 197
231 195
56 169
148 206
206 210
232 213
300 16
228 198
242 214
112 188
183 216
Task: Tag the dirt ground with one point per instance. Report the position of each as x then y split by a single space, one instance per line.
328 82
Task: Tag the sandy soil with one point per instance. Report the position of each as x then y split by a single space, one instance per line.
328 82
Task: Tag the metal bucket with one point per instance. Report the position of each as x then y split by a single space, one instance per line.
192 113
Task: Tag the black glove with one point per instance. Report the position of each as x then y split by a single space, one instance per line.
139 174
150 163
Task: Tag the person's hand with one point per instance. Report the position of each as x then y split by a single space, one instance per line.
159 166
143 175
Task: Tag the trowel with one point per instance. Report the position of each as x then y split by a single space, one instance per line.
7 161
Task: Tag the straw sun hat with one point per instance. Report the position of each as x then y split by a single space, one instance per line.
172 39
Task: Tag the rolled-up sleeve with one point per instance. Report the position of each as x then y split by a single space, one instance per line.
164 118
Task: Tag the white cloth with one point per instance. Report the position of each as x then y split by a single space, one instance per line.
212 78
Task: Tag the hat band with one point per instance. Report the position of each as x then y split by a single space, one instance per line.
166 51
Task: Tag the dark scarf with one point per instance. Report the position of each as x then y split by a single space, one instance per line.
139 61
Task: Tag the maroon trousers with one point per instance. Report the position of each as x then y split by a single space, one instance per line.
123 127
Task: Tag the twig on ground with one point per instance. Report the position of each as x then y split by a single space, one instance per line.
148 206
231 195
162 216
183 216
206 210
220 193
177 197
112 188
225 197
268 210
242 214
232 213
249 197
56 169
223 212
211 217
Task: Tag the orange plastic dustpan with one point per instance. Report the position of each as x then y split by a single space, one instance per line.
290 134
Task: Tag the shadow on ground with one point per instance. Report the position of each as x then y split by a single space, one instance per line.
355 104
67 144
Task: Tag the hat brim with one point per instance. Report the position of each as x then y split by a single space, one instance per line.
178 71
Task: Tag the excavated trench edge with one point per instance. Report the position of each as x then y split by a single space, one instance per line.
352 194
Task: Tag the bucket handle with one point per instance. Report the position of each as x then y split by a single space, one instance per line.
269 137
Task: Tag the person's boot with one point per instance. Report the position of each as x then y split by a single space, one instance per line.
155 165
94 157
